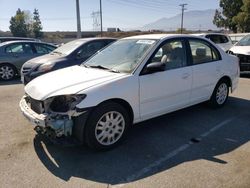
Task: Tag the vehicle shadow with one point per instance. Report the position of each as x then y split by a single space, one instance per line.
12 82
149 146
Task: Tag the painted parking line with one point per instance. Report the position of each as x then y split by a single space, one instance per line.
172 154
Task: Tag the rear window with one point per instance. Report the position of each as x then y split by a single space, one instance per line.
218 39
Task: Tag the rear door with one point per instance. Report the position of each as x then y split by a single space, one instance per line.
206 66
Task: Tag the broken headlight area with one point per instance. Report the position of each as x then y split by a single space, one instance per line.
65 103
58 112
61 110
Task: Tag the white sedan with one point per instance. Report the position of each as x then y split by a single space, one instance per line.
132 80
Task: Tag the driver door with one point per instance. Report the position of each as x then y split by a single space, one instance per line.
169 90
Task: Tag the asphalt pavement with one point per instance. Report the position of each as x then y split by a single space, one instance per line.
194 147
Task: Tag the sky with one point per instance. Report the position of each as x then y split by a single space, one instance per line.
60 15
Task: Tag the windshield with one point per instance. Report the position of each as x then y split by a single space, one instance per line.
121 56
245 41
69 47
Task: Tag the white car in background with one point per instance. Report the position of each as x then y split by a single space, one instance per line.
132 80
242 50
220 39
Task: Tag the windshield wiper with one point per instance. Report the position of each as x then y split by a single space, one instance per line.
101 67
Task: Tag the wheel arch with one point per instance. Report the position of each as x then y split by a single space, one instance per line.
123 103
80 121
227 79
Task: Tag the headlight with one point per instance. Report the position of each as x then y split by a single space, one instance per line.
64 103
46 67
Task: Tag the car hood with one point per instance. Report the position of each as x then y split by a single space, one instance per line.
68 81
241 50
43 59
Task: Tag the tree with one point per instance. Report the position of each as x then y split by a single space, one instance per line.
243 18
230 9
37 24
18 24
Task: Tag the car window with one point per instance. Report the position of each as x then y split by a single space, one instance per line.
218 39
172 54
19 48
202 52
91 48
94 47
43 48
14 48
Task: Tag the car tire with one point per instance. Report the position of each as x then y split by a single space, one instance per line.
106 126
7 72
220 94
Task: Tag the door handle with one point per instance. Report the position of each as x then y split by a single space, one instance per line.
185 75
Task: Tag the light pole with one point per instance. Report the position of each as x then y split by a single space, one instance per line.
182 15
79 34
101 15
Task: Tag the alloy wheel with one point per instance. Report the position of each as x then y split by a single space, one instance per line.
110 128
221 94
6 72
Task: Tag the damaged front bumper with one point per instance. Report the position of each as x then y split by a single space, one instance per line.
54 124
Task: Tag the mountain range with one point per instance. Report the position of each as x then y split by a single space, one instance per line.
193 20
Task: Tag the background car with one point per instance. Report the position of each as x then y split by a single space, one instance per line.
69 54
220 39
242 50
14 54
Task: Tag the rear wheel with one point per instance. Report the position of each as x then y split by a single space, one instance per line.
7 72
220 94
106 126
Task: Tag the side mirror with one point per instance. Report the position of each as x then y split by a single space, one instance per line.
155 67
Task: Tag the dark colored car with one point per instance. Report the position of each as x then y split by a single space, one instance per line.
69 54
5 39
14 54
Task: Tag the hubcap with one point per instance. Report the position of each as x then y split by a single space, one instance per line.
221 94
6 72
110 128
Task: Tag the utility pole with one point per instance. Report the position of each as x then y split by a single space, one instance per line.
101 15
79 34
182 15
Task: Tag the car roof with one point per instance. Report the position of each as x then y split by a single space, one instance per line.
18 38
24 41
203 34
96 38
158 36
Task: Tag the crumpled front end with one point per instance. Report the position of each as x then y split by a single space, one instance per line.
52 116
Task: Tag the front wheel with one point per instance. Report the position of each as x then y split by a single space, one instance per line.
106 126
220 94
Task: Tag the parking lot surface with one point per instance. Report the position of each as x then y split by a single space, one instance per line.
194 147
